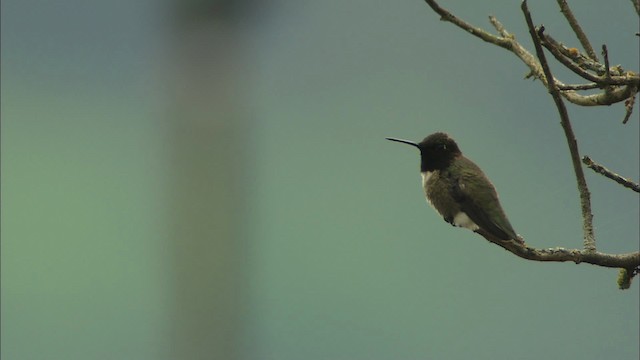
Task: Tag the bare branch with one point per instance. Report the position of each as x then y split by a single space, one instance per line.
577 29
624 261
628 104
584 61
577 86
610 174
499 27
605 98
625 276
555 49
585 196
475 31
508 42
636 5
628 263
611 95
607 69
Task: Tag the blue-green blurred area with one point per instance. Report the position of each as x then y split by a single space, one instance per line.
210 180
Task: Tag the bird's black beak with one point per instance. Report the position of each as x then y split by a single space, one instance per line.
403 141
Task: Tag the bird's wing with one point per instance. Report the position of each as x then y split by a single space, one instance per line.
483 207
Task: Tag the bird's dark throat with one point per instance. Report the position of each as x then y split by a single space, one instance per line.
433 162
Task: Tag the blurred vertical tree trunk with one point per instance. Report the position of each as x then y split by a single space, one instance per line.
207 196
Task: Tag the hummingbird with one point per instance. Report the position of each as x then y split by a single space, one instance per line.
458 189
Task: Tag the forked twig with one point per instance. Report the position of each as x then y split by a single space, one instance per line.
577 29
626 83
585 196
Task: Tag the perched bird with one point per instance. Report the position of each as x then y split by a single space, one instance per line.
459 190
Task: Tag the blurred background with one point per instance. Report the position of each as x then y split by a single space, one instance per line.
209 179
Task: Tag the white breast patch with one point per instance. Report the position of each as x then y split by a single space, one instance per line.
425 177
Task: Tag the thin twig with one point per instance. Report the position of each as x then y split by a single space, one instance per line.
610 174
475 31
577 86
607 69
499 27
585 196
577 29
628 104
